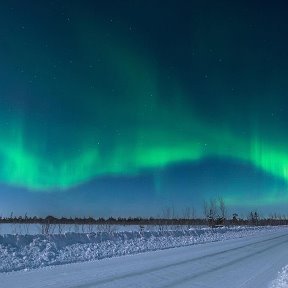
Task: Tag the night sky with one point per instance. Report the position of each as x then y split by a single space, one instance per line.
121 108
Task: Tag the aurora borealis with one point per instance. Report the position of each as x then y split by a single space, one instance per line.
132 103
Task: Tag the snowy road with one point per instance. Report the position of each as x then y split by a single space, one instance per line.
247 262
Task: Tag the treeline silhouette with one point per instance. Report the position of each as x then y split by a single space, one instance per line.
253 219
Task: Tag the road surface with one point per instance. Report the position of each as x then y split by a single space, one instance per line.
247 262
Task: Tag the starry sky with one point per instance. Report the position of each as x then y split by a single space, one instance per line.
121 108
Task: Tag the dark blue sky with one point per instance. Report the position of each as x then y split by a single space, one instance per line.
125 107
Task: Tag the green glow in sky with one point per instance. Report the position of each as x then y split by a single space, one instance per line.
157 142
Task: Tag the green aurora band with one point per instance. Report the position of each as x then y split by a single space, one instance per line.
25 168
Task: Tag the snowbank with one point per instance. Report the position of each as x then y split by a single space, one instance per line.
18 252
282 279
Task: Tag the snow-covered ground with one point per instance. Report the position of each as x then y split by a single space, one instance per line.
282 280
251 260
22 252
32 229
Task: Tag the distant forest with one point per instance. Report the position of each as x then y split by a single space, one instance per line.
253 219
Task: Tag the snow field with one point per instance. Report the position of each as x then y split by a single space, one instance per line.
25 252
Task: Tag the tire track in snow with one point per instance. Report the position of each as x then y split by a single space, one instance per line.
196 259
223 266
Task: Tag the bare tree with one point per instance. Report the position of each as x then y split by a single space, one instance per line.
167 212
188 214
167 215
206 209
222 207
215 211
210 210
